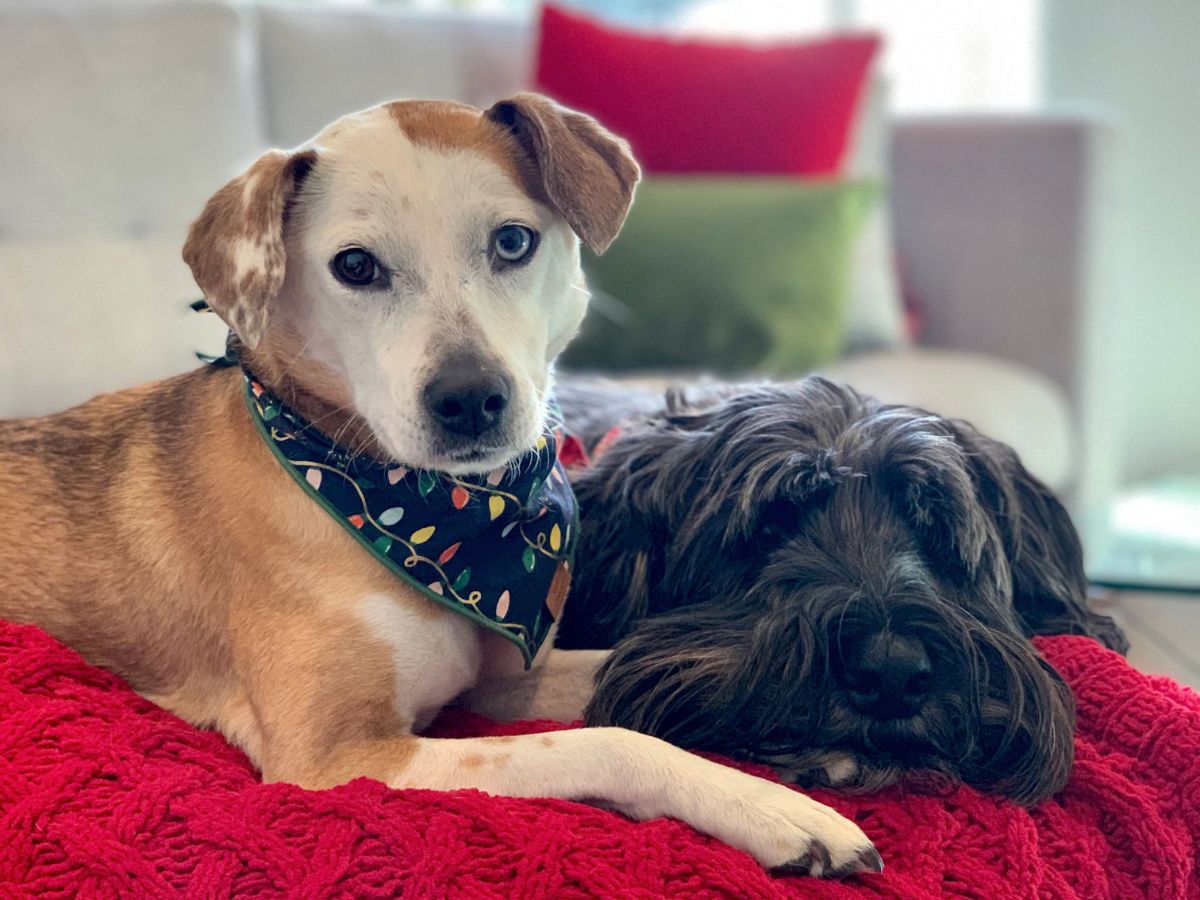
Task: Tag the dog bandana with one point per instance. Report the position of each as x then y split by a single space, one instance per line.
496 548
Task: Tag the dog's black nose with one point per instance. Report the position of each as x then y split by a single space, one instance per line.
467 399
889 676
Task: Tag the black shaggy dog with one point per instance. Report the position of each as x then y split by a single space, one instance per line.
845 589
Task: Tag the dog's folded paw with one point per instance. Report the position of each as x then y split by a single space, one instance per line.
789 832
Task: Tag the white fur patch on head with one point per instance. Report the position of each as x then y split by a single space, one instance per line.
428 215
249 254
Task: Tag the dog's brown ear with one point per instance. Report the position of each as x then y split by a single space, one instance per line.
587 173
235 249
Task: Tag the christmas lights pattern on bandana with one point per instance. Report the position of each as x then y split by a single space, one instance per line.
495 548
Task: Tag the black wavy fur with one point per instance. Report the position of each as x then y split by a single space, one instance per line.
734 551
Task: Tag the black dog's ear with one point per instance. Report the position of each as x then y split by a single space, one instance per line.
618 560
928 473
647 501
629 500
1044 552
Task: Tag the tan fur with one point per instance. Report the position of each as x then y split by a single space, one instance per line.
586 173
457 126
126 530
313 390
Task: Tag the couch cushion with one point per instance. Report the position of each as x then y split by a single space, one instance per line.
726 274
682 104
875 310
116 316
119 115
820 106
1004 401
320 62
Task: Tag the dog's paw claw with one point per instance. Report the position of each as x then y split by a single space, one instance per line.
816 863
868 860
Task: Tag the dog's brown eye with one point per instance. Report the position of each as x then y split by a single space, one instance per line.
355 267
514 243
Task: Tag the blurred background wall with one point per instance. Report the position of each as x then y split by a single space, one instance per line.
1137 63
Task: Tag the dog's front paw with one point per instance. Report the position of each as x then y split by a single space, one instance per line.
800 835
785 830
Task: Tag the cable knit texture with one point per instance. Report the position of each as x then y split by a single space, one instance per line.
102 794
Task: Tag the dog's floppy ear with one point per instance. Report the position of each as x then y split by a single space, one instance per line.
632 503
623 536
930 477
587 173
235 249
1043 549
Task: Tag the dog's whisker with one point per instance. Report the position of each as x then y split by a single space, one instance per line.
316 421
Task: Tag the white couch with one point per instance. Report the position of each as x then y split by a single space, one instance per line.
118 118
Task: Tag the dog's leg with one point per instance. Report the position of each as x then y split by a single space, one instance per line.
332 703
640 776
558 689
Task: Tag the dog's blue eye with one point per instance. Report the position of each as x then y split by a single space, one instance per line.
355 267
514 243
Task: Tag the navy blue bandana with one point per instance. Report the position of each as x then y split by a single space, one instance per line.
496 548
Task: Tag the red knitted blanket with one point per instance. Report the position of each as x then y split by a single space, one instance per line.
103 794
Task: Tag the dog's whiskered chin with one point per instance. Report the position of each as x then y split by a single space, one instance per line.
460 462
474 461
478 459
910 736
466 459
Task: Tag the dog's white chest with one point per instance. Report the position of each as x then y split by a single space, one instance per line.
435 654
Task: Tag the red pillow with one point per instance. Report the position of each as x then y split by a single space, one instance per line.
699 106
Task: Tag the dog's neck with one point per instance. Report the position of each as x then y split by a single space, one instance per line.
494 547
317 397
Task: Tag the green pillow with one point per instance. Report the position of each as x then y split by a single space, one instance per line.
727 274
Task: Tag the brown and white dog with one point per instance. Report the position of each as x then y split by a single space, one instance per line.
404 281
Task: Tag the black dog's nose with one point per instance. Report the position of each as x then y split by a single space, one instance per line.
467 399
889 676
